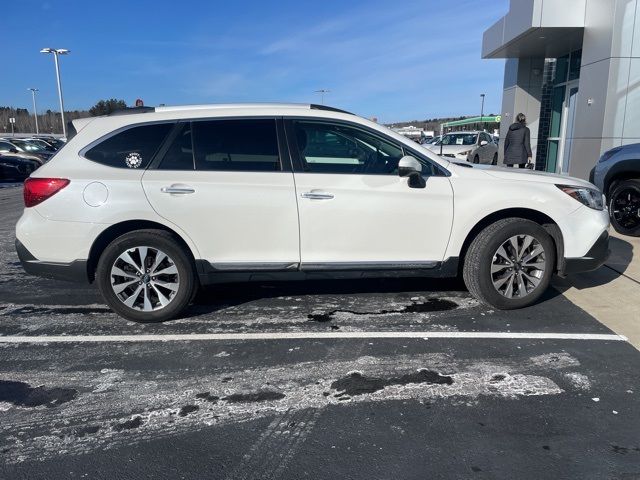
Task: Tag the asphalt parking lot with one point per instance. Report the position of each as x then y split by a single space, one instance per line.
371 379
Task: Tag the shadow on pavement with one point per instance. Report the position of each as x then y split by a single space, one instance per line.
621 254
616 266
220 296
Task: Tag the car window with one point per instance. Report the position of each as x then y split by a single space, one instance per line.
131 148
460 139
337 148
5 147
236 145
487 137
179 156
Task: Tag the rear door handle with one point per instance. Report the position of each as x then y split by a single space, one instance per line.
317 195
178 189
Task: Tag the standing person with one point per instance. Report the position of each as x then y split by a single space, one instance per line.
517 144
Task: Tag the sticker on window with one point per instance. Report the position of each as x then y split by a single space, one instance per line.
459 140
133 160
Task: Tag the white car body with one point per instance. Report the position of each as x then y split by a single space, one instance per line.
264 221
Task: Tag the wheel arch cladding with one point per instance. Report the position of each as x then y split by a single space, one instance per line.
118 229
525 213
628 169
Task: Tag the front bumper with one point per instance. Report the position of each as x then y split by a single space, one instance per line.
595 257
75 271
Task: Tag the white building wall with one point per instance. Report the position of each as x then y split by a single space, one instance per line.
608 107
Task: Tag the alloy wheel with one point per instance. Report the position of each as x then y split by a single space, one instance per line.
144 278
518 266
625 208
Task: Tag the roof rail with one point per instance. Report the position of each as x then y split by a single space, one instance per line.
131 110
315 106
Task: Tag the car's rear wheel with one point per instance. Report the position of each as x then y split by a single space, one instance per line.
624 207
146 276
509 264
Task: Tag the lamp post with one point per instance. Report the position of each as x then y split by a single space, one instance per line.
56 52
35 109
482 109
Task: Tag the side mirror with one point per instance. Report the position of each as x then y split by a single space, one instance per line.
408 165
483 143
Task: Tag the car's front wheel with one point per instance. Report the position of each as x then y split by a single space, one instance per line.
509 264
624 207
146 276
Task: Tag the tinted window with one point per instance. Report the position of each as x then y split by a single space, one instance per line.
329 148
235 145
179 156
131 148
5 147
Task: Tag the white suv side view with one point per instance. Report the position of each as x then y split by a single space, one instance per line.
151 203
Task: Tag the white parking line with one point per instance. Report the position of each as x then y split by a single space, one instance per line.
306 335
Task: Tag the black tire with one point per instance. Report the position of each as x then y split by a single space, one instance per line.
625 222
155 239
478 261
495 159
476 159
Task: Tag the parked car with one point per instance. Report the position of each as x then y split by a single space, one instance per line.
24 149
617 174
44 144
57 143
152 205
432 140
16 168
33 147
475 147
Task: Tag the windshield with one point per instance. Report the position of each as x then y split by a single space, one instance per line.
28 146
41 144
460 139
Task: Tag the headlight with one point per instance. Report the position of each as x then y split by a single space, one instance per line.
464 154
590 197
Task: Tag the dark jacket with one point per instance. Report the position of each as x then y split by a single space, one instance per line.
517 144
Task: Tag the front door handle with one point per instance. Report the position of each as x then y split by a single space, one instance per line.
178 189
317 195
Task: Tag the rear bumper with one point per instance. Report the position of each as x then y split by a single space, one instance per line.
595 257
75 271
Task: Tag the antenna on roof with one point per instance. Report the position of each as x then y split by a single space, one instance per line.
322 91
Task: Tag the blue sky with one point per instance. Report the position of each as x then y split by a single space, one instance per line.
395 60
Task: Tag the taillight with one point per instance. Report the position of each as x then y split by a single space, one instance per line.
37 190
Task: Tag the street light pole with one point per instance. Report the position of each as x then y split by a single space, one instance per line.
56 52
35 109
482 109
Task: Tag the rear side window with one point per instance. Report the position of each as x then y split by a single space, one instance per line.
236 145
179 156
131 148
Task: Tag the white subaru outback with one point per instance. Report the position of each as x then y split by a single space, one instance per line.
151 203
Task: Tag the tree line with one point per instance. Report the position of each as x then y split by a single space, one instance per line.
49 121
